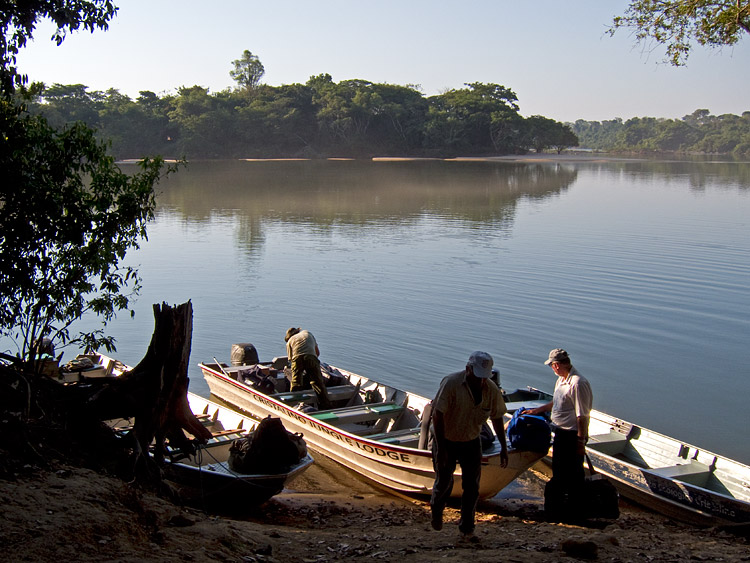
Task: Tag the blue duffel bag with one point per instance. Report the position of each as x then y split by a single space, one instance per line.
529 432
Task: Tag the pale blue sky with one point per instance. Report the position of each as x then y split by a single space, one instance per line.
554 55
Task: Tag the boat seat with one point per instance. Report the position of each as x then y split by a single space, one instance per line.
224 436
397 436
336 393
612 443
612 436
693 472
204 418
221 438
359 413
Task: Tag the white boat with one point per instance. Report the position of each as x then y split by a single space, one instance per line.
206 476
376 430
668 475
662 473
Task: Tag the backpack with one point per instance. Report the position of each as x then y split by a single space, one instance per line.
270 449
529 432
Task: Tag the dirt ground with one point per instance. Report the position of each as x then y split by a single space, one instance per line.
327 514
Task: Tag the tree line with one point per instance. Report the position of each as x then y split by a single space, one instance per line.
697 133
321 118
358 118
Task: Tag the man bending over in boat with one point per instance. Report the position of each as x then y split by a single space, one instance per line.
303 353
462 405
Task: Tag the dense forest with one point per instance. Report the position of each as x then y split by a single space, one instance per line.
357 118
321 118
697 133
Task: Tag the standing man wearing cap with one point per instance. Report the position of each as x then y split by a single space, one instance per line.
303 352
463 403
570 409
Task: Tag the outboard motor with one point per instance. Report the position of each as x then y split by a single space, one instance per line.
496 377
244 354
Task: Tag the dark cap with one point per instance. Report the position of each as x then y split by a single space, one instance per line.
557 355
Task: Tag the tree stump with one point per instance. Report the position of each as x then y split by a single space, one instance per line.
154 392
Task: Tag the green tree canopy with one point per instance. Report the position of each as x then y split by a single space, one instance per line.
470 118
68 217
18 21
677 23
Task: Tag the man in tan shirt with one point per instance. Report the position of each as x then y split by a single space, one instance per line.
464 402
303 352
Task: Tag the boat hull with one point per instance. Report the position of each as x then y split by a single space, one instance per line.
404 469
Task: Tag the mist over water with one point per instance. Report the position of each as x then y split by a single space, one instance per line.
402 269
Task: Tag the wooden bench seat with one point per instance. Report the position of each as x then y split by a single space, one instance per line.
612 436
223 437
359 413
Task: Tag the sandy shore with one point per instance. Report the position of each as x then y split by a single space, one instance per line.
328 514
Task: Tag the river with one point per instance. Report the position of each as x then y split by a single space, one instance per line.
639 268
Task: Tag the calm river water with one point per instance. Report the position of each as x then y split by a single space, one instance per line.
639 269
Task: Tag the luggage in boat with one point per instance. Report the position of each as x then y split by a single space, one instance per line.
331 376
270 449
262 380
529 432
486 436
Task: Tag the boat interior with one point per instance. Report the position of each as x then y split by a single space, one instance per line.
84 367
653 453
661 456
360 406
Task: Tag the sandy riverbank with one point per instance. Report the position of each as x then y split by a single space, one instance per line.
329 514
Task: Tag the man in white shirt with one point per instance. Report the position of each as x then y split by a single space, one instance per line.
570 410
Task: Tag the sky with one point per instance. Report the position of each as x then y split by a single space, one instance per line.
555 55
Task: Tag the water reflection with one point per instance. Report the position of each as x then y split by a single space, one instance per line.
327 192
701 175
